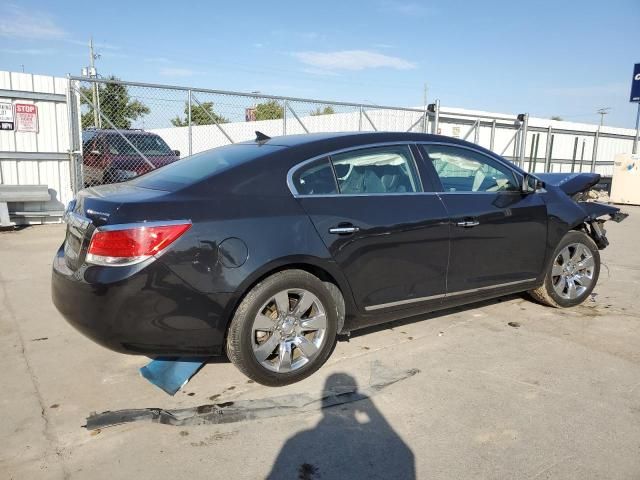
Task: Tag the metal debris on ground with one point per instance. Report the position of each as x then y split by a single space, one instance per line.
231 412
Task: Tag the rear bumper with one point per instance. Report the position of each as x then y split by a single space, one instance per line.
146 310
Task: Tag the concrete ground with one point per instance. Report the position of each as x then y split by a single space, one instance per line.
556 397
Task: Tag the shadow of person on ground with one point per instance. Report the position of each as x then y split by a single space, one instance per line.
351 441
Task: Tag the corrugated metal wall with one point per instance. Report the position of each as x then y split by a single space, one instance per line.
37 158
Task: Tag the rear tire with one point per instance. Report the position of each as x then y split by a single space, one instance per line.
284 329
572 273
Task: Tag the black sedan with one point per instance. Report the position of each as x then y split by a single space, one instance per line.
269 249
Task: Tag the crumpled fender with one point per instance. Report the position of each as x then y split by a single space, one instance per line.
596 210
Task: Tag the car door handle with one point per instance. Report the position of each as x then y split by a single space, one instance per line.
468 223
344 229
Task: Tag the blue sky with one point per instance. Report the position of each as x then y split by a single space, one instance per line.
565 58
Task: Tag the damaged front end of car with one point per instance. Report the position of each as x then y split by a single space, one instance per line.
577 186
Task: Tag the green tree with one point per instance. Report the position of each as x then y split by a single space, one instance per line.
328 110
115 104
270 110
556 117
200 115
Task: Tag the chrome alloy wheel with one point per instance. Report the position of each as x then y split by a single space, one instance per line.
288 330
572 271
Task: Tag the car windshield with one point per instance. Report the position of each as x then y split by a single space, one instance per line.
147 144
202 165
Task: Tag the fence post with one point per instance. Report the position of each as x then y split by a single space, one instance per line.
492 141
547 150
575 155
284 117
190 129
524 118
425 119
476 133
594 155
360 120
75 143
436 117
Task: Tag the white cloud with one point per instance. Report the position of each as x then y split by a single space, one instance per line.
404 8
162 60
97 45
177 72
258 45
18 22
321 72
352 60
28 51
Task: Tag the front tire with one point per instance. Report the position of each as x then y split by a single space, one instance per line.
572 274
284 329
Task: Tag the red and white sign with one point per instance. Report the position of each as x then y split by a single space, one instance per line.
26 117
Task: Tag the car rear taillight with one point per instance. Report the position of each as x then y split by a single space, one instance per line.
127 245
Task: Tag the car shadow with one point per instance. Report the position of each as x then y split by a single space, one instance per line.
430 316
351 441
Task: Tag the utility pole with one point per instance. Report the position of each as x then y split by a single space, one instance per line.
424 96
602 112
635 140
96 94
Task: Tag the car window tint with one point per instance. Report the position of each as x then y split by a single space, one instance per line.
315 179
463 170
376 170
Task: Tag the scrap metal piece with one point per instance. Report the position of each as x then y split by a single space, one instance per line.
230 412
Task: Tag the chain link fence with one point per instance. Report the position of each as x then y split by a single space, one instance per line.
123 129
126 129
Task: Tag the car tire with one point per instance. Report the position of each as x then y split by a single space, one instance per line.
291 311
572 273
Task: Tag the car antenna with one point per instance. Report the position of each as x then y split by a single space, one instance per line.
261 137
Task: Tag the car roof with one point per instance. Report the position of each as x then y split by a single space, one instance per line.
356 138
316 144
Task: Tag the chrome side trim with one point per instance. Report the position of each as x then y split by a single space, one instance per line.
371 308
326 155
445 295
505 163
126 226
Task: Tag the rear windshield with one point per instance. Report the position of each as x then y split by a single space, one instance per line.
202 165
151 145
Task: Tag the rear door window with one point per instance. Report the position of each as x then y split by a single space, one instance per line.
376 170
315 179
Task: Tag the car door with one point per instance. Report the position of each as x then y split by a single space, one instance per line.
389 236
498 233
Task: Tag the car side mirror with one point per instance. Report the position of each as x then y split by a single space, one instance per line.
176 153
531 184
95 152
